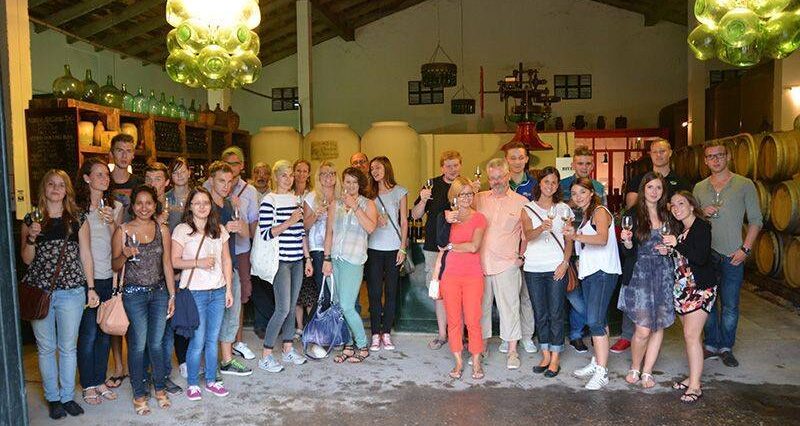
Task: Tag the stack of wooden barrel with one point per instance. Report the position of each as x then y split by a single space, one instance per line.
772 160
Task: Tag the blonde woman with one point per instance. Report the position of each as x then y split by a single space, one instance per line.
57 249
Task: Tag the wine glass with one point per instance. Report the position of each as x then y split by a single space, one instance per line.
716 202
551 214
664 230
299 201
382 213
37 215
565 216
235 215
627 223
454 204
134 242
429 184
478 173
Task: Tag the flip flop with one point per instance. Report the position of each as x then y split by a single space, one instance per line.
436 344
107 394
92 399
478 374
455 373
679 386
690 397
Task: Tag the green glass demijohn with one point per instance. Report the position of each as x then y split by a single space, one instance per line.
90 89
183 113
163 105
127 98
703 42
140 102
67 86
172 108
739 27
153 107
109 95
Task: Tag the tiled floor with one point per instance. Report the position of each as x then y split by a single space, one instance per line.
410 386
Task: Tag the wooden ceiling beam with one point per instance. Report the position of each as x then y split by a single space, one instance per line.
107 22
65 15
36 3
335 21
668 10
134 31
147 45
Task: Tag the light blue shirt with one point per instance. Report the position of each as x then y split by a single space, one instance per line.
385 237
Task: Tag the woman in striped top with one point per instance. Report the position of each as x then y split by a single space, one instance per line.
350 221
281 216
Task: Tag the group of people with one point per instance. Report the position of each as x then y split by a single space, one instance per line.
537 247
543 248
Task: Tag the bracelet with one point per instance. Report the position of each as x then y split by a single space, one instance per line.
29 241
91 289
402 251
171 296
327 258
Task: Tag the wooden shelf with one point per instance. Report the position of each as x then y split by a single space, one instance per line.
52 130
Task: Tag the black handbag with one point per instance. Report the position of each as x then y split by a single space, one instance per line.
186 318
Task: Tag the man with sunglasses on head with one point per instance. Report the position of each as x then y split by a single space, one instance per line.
726 198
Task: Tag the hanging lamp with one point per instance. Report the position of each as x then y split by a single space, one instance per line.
465 105
438 73
213 44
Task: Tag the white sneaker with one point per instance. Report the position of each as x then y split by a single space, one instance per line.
599 379
241 349
376 343
294 357
586 371
184 371
529 346
503 348
269 363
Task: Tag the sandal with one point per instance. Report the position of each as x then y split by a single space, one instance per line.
107 393
636 374
455 373
141 407
359 356
477 372
344 356
115 381
93 398
436 344
648 381
680 386
691 397
163 399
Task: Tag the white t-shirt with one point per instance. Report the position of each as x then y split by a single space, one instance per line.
543 254
203 279
316 234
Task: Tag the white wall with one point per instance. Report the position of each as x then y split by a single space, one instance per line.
50 51
636 70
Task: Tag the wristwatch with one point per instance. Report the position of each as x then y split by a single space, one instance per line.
745 250
449 246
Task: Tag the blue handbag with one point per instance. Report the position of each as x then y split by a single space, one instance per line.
327 329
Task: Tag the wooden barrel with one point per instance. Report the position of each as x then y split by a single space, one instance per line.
745 155
764 191
686 163
769 253
785 209
779 156
791 269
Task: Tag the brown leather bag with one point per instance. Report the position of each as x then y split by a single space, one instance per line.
572 275
34 302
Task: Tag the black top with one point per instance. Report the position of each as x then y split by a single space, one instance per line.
696 248
436 205
675 183
629 254
47 251
122 192
225 213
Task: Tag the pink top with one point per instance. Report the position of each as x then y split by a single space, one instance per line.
202 279
459 263
501 242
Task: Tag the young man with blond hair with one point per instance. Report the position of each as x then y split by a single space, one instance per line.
432 201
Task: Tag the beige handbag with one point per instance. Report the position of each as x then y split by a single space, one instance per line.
111 316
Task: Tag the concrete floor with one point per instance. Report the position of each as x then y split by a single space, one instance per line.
410 386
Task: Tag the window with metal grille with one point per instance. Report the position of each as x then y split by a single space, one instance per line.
573 86
284 98
421 95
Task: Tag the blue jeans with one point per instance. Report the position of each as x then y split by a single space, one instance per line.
210 309
577 315
59 330
167 347
720 329
147 313
286 286
547 300
597 290
93 344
